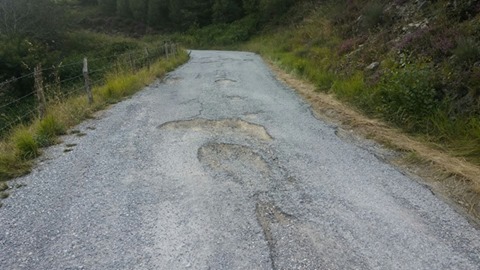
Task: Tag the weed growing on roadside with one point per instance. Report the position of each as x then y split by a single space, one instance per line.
25 143
408 97
48 129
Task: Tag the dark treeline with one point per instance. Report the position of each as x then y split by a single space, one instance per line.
184 14
43 31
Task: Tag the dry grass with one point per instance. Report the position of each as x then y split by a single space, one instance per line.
451 177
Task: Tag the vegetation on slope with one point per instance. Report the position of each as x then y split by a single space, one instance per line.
415 64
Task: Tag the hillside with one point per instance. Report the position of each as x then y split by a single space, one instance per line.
412 63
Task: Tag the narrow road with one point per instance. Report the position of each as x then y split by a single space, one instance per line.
220 166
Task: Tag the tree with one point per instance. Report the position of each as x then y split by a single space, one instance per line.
270 9
108 6
157 13
88 2
37 19
123 9
250 6
138 8
190 13
226 11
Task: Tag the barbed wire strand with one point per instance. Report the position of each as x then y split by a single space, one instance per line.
17 100
18 119
133 52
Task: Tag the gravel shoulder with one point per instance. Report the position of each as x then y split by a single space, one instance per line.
221 166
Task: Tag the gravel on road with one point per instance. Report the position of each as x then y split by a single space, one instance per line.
220 166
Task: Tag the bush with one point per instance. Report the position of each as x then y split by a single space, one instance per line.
467 51
373 15
408 97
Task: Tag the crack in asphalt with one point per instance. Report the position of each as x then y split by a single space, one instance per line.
221 166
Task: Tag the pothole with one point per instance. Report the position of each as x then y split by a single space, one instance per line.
240 163
224 126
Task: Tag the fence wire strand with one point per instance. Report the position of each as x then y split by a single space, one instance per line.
135 59
17 100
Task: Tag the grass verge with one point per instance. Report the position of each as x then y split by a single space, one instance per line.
23 144
446 175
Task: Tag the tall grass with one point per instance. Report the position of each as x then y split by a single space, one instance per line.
23 144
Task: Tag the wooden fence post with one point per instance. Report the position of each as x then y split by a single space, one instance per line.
88 89
42 104
166 49
147 55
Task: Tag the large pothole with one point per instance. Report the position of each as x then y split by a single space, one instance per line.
236 162
220 127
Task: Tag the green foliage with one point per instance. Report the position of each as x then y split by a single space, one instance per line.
188 14
157 13
467 51
123 9
270 9
408 96
25 143
138 9
18 149
461 10
48 129
226 11
354 89
373 15
108 6
35 19
220 34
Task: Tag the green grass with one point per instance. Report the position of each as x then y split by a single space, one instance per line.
407 90
23 143
48 129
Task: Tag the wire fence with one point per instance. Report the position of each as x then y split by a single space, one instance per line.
26 97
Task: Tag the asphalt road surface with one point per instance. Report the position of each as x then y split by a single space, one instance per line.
220 166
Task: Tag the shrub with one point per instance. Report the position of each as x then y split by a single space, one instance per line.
408 96
373 15
415 39
347 46
461 10
467 51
